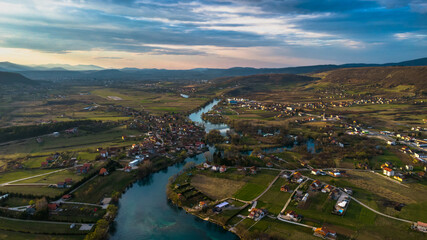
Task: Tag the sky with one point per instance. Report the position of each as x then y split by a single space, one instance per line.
187 34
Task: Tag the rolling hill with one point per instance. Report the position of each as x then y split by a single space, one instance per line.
380 77
9 78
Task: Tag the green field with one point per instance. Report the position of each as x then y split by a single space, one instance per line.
25 236
38 227
18 174
103 186
255 185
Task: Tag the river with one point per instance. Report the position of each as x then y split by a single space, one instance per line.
145 212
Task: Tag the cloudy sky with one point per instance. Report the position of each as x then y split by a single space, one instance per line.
182 34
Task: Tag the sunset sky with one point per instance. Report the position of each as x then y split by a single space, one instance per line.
224 33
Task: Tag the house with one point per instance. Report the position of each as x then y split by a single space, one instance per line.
66 197
215 168
103 153
285 188
287 175
399 177
202 204
68 181
218 208
71 130
84 169
349 191
327 189
305 197
420 226
388 172
127 168
253 170
335 173
61 185
200 145
103 172
52 206
292 216
325 233
315 185
44 164
315 171
207 164
297 177
269 164
257 214
240 168
222 169
386 164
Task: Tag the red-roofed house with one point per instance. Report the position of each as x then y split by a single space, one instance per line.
103 172
388 172
52 206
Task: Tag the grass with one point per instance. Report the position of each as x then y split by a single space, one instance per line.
100 187
15 202
82 141
215 188
25 236
274 200
55 177
15 175
255 185
388 156
33 190
38 227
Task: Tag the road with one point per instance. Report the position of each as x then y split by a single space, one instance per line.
269 186
290 198
37 221
39 175
380 213
296 223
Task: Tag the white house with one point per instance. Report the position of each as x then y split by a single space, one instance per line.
388 172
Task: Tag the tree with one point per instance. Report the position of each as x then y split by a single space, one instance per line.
41 205
214 136
100 231
145 169
189 166
115 196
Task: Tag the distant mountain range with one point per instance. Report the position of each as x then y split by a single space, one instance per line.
12 67
60 72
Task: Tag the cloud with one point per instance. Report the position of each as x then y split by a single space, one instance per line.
336 29
115 58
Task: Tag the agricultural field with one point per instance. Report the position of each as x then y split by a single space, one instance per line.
103 186
38 227
26 236
215 188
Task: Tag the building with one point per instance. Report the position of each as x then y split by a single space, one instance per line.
420 226
257 214
292 216
103 172
325 233
222 169
388 172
